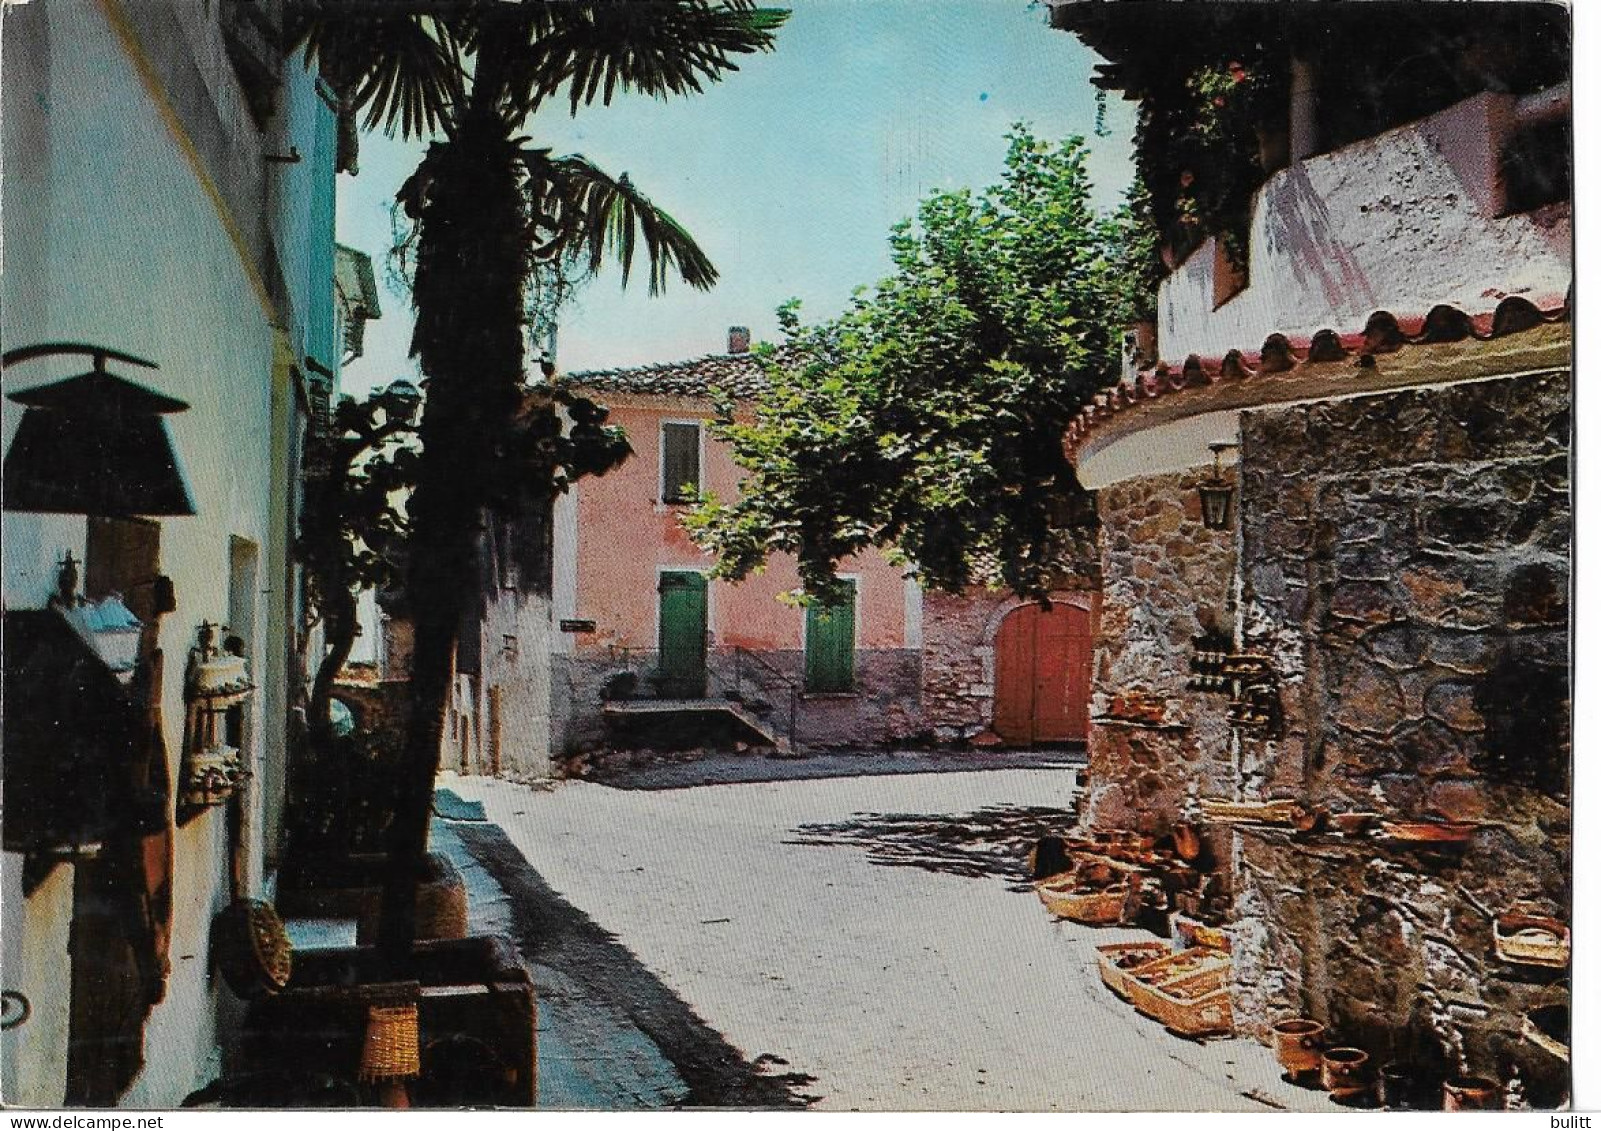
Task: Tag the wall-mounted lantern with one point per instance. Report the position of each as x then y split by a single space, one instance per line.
217 682
1217 493
94 444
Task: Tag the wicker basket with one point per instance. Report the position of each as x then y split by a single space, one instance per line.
1532 940
1196 971
1096 907
254 954
1192 1011
1119 961
389 1046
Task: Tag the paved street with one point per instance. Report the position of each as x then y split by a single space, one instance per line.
867 932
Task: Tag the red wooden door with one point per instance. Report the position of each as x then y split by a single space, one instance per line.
1042 674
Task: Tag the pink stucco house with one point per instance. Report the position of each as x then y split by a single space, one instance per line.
653 645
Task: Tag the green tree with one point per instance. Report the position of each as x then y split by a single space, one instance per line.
489 206
352 532
927 419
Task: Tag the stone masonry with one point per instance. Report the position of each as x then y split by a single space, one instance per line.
1167 579
1406 567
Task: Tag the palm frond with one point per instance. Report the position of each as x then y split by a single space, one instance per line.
595 48
402 66
594 215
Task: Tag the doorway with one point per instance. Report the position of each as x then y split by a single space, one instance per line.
681 637
1042 674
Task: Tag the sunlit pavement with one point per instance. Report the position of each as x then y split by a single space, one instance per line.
898 985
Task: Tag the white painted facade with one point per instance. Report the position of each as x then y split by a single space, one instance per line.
141 212
1404 221
1386 223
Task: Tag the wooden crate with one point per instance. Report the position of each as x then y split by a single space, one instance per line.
1190 1009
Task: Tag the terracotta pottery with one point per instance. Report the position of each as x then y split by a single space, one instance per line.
1443 834
1472 1093
1298 1044
1309 820
1352 823
1548 1027
1533 940
1345 1073
1186 841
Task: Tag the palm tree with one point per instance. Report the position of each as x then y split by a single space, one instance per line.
489 206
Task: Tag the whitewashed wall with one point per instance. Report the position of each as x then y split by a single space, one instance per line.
116 233
1385 223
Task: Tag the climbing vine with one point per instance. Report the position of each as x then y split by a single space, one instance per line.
1199 148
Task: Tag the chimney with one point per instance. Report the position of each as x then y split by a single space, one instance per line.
739 339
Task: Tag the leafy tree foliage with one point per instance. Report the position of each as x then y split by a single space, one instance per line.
927 418
352 532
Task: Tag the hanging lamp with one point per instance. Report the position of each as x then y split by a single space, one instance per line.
94 444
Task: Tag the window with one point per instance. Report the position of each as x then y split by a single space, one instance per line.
831 644
680 462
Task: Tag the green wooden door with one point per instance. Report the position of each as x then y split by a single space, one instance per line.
831 644
681 667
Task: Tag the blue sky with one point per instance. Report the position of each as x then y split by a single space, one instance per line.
791 171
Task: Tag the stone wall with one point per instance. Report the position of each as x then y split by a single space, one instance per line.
1166 580
1406 567
500 717
883 710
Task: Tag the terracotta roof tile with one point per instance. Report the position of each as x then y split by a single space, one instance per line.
1384 332
743 375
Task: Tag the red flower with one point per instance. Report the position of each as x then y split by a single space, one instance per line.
1186 179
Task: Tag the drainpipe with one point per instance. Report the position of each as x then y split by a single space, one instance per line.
1303 109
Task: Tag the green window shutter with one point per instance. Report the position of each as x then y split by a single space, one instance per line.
680 461
831 644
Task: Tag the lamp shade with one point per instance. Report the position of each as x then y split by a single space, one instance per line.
94 444
1217 502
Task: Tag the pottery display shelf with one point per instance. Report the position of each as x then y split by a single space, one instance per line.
1139 724
1278 812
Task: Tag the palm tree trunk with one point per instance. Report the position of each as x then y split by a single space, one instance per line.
472 260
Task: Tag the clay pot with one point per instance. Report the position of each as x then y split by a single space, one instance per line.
1186 841
1345 1073
1298 1044
1097 875
1472 1093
